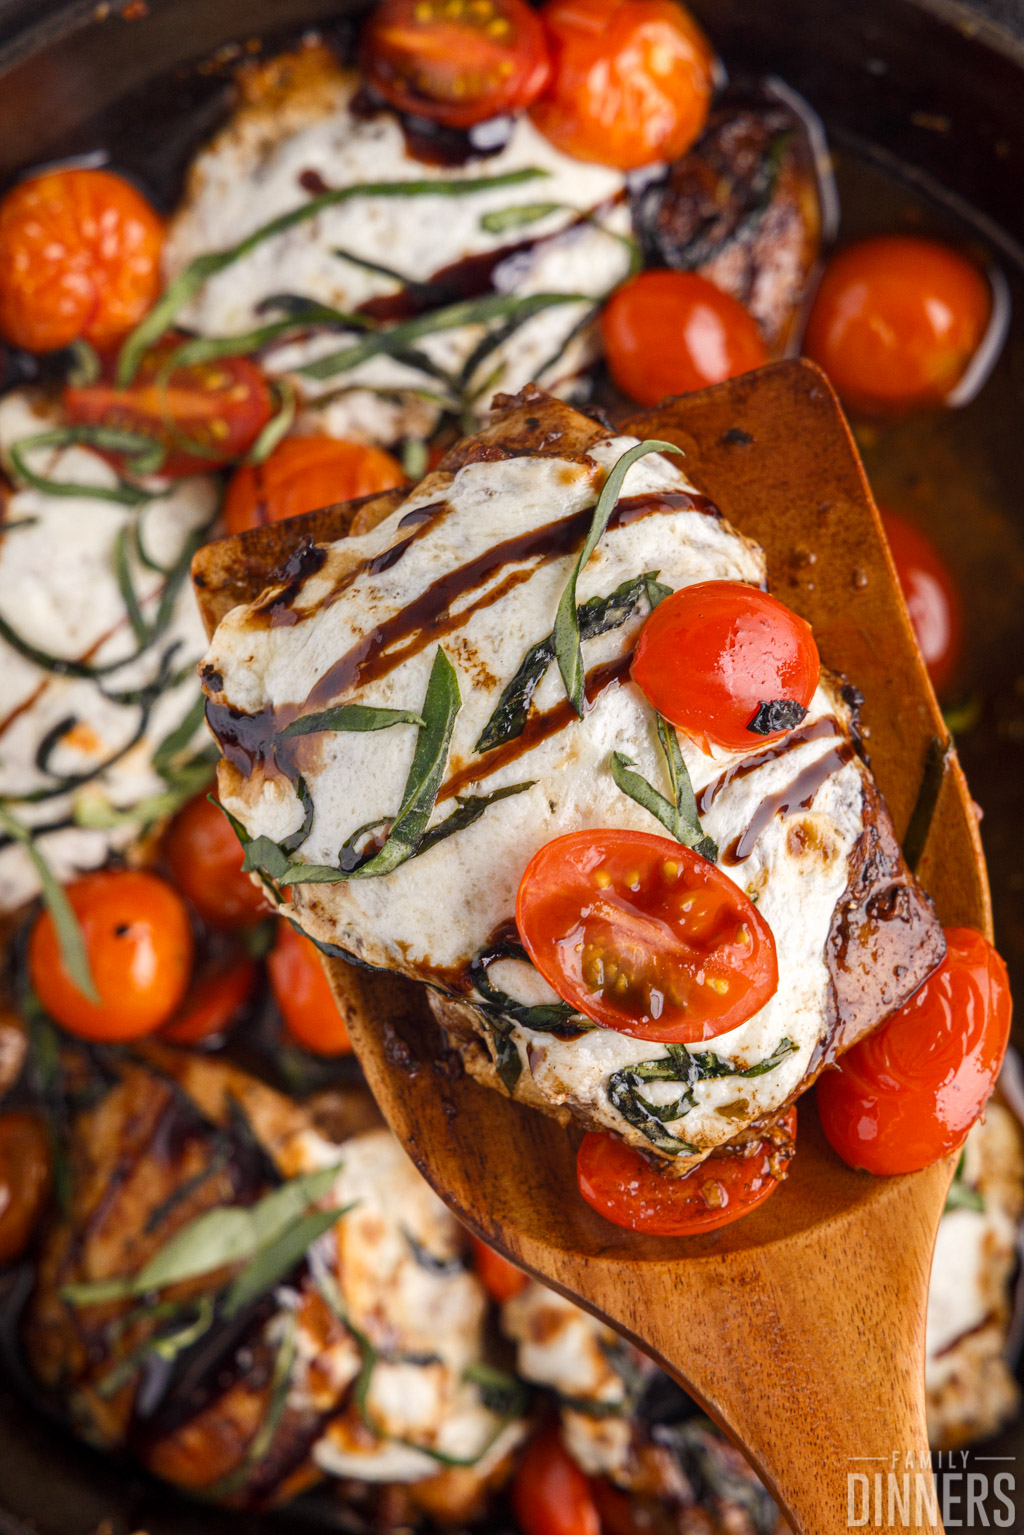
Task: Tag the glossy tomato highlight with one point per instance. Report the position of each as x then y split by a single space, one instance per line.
644 936
932 597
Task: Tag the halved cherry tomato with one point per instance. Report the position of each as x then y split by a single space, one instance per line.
550 1494
139 947
500 1278
631 80
931 595
205 415
910 1092
622 1185
79 259
205 858
896 320
303 474
311 1015
26 1168
457 62
669 332
213 1003
645 936
711 654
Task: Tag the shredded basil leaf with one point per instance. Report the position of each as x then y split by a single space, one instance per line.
351 717
73 954
518 216
556 1018
678 815
277 1259
566 631
265 1434
143 455
279 425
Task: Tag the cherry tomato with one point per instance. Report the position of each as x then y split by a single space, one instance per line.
79 259
617 1511
311 1015
205 859
26 1167
550 1494
457 62
205 415
910 1092
896 320
621 1185
139 946
931 594
213 1004
303 474
669 332
645 936
500 1278
711 654
631 80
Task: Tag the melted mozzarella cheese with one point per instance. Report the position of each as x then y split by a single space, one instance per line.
255 170
61 595
434 913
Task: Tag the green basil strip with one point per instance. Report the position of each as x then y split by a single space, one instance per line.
142 454
474 311
556 1018
962 1195
351 717
126 586
189 1322
678 815
470 808
86 366
73 954
598 615
277 1259
263 1439
566 631
198 272
176 741
518 216
279 425
500 1392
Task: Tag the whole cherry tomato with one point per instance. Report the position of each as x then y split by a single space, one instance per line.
303 474
205 859
457 62
631 80
622 1185
213 1003
932 597
910 1092
712 654
550 1494
311 1015
79 259
26 1167
645 936
669 332
205 415
500 1278
139 946
896 320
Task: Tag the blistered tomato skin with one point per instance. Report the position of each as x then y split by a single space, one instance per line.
909 1094
457 62
620 1184
79 259
644 936
932 598
667 333
631 80
139 946
303 474
710 655
895 322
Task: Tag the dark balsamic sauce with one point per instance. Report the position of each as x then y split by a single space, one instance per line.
303 562
432 143
796 796
816 732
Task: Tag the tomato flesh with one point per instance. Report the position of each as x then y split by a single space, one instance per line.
26 1168
932 597
205 415
457 62
909 1093
710 655
666 333
301 990
500 1278
631 80
213 1004
303 474
644 936
205 860
550 1494
896 320
139 945
79 259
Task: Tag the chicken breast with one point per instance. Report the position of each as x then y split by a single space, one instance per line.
473 562
304 128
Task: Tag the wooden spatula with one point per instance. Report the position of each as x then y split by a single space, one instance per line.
801 1328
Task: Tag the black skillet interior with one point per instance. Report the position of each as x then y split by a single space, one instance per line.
927 89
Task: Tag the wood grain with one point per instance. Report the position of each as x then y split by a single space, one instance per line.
801 1328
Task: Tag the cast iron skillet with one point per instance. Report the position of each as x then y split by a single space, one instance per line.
932 88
